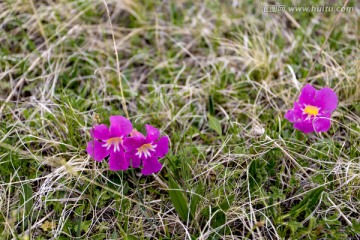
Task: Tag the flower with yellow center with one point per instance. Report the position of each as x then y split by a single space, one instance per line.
312 111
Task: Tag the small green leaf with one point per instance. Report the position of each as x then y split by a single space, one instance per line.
314 197
218 219
195 199
225 205
130 237
211 106
294 226
214 124
308 202
27 198
178 199
356 226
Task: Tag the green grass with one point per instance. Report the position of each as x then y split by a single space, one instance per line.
214 76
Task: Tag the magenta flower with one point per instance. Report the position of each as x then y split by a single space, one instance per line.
146 150
313 110
109 141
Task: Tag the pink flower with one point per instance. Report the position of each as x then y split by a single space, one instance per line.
109 141
146 150
313 110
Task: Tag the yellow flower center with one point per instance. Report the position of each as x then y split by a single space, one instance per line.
115 141
311 110
145 150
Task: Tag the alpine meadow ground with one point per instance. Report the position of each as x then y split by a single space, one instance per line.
217 78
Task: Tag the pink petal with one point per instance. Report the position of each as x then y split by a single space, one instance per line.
162 147
117 161
307 95
322 124
151 165
136 133
295 114
120 126
326 99
290 115
152 133
132 159
96 150
131 143
100 132
305 127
